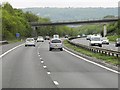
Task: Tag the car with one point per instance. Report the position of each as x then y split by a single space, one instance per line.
30 42
105 40
117 43
78 36
83 35
66 36
55 44
56 36
47 38
96 41
40 39
88 37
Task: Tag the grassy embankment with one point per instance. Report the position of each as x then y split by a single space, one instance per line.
109 59
14 41
112 38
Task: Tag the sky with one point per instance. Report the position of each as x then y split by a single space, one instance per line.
62 3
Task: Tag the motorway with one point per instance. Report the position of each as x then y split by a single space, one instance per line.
37 67
83 41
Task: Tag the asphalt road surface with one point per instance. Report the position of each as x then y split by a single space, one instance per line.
37 67
83 41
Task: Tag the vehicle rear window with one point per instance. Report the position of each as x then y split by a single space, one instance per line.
30 40
56 41
95 39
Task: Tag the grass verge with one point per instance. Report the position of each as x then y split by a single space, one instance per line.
112 38
14 41
108 59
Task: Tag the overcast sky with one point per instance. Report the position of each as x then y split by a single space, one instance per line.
62 3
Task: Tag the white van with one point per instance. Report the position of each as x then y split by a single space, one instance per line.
96 41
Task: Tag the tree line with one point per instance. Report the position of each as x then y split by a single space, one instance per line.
16 21
112 28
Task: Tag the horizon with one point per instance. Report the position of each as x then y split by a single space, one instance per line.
68 7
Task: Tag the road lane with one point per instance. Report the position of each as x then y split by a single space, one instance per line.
83 41
22 69
72 72
6 47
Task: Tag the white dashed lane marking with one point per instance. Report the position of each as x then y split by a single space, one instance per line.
42 62
48 73
56 83
40 58
44 66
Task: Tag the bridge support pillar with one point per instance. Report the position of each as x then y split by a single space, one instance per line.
34 28
105 30
34 33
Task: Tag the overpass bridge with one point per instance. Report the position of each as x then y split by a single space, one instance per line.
37 24
103 21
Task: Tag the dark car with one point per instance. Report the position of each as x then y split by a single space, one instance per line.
117 42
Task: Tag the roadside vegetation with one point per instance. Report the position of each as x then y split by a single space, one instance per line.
108 59
16 21
112 38
113 29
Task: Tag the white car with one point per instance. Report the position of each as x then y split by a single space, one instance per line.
30 42
55 44
56 36
105 40
88 37
117 43
40 39
96 41
78 36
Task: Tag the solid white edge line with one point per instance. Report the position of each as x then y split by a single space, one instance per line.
10 50
92 62
56 83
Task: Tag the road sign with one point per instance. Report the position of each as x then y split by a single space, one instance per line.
17 35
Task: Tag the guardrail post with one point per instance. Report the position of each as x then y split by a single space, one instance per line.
117 55
112 54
